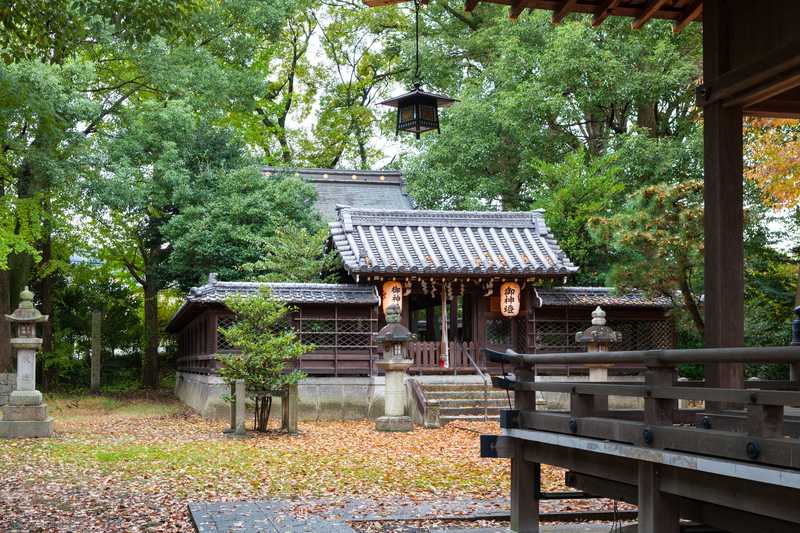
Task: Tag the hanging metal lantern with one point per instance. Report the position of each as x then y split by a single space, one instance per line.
418 111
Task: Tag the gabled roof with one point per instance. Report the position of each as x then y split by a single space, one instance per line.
602 296
476 243
216 292
369 189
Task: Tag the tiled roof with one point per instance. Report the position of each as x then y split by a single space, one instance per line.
218 291
297 293
478 243
602 296
368 189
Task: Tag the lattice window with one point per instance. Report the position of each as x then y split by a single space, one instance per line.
642 335
354 333
498 331
557 336
521 345
224 321
321 332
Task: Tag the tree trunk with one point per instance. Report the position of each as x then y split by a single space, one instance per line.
691 305
46 299
5 326
647 118
150 377
261 414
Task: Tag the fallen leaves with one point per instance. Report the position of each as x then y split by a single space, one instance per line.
133 466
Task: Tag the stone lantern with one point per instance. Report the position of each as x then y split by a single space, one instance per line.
395 338
596 338
26 415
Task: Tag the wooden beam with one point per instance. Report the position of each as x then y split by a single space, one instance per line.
774 108
729 83
603 11
647 13
517 7
764 91
565 10
690 14
733 520
470 5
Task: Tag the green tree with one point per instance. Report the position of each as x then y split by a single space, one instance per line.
572 193
658 242
531 92
161 157
295 254
266 344
234 221
69 70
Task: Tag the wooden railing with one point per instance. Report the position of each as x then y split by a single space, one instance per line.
426 357
749 424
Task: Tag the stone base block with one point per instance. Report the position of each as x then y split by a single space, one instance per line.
25 429
394 423
32 413
25 397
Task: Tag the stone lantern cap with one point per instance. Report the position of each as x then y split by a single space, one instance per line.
26 312
598 331
393 331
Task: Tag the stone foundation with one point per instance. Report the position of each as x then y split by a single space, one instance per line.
25 421
344 398
7 384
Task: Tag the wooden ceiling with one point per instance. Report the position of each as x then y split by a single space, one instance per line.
681 12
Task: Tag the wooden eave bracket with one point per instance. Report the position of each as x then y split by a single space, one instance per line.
752 86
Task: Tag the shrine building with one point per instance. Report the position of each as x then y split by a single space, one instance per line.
464 281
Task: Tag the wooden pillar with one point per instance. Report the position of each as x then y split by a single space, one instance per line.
525 475
97 349
453 329
724 218
430 323
658 511
444 354
467 314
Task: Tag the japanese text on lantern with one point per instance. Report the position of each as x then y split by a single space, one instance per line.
392 294
509 298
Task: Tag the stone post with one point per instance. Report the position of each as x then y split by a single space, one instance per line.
240 407
596 338
289 408
26 415
395 338
97 349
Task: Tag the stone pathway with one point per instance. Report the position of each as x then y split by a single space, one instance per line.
331 516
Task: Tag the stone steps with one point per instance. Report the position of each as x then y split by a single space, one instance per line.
469 411
468 402
499 403
464 395
445 419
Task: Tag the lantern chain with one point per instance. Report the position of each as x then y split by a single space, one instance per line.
417 77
